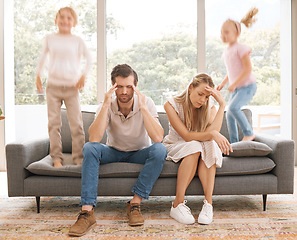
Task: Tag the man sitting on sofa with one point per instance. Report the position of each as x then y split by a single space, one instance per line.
131 122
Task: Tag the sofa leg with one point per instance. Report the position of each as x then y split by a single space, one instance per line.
264 201
38 204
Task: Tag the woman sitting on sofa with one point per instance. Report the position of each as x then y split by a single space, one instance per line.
194 139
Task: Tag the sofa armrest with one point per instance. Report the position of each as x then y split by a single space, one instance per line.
18 156
283 156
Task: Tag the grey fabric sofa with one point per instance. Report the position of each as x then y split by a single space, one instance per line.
249 172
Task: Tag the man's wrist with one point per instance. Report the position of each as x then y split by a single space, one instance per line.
143 108
105 106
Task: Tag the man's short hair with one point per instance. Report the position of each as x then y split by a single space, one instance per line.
123 70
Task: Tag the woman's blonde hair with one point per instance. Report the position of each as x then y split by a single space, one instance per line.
72 12
200 123
248 20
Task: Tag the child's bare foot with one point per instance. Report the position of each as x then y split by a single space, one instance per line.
248 138
78 163
58 164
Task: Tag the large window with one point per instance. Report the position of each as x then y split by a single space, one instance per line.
33 19
158 39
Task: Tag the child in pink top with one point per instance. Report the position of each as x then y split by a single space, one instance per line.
242 82
63 84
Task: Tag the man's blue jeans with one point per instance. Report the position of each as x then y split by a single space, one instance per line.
240 97
153 158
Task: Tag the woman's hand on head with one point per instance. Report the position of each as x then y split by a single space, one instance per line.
222 142
217 95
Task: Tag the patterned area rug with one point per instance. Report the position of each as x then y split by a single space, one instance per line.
235 217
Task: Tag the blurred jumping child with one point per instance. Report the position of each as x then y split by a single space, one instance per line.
242 82
64 82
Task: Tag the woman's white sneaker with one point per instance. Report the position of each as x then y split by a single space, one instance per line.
206 214
182 213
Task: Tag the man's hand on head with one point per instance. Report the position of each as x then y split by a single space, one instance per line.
108 95
141 98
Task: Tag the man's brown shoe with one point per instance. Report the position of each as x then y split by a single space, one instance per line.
85 221
134 214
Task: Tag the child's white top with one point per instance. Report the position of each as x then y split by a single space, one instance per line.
65 53
232 57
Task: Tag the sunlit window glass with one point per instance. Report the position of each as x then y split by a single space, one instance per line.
156 38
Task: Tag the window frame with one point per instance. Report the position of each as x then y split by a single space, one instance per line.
101 50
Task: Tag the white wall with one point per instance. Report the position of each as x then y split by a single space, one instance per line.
7 75
31 122
2 140
294 73
286 69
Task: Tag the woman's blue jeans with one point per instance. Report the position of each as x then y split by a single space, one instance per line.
240 97
153 158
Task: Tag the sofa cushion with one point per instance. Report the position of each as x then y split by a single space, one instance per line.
45 167
249 148
231 166
245 166
88 118
164 122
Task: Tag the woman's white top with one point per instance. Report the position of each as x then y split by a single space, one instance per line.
178 148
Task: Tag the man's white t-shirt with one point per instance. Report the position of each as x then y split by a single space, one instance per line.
128 133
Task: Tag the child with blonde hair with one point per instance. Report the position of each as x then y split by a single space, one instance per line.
195 141
242 82
64 82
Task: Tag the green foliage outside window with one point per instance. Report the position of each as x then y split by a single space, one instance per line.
164 65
